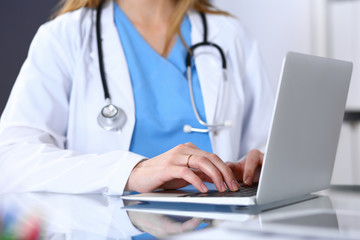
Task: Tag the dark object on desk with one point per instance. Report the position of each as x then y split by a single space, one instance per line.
352 116
347 188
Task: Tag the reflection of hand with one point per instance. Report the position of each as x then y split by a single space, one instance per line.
161 226
181 166
248 170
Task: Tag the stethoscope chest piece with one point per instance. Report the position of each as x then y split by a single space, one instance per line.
112 118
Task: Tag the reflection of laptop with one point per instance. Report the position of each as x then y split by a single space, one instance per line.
305 129
255 217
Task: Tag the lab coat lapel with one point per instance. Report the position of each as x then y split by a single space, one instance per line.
116 70
208 65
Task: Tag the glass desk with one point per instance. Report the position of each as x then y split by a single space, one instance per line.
335 214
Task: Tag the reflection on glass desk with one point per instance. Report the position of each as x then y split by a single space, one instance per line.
335 214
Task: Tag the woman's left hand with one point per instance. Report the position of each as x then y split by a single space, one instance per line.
248 169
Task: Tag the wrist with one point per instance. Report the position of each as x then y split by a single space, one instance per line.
131 182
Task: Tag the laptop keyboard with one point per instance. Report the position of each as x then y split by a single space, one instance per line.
245 191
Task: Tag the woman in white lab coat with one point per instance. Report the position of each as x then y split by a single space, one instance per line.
50 139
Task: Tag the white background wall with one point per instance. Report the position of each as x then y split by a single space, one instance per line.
320 27
344 41
278 25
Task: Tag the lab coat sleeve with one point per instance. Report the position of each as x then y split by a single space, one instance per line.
258 101
33 154
30 161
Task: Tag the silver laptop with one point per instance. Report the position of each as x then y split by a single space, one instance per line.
303 137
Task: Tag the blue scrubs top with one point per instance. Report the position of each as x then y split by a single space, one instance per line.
161 93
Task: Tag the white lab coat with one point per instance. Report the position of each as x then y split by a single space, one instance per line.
49 136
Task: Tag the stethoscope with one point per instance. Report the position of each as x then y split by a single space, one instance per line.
112 118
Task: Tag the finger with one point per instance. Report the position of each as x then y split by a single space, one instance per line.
210 164
261 158
191 145
252 162
202 176
237 168
258 170
225 171
175 184
191 224
257 175
179 172
174 227
218 171
205 165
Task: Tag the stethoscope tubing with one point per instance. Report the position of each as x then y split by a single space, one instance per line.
100 53
204 44
118 121
190 54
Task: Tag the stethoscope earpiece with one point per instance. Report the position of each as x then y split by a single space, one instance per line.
111 118
228 123
189 129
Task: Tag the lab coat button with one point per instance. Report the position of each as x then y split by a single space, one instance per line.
216 133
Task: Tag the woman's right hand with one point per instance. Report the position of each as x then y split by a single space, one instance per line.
161 226
183 165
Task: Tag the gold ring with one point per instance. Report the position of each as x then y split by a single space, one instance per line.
188 159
